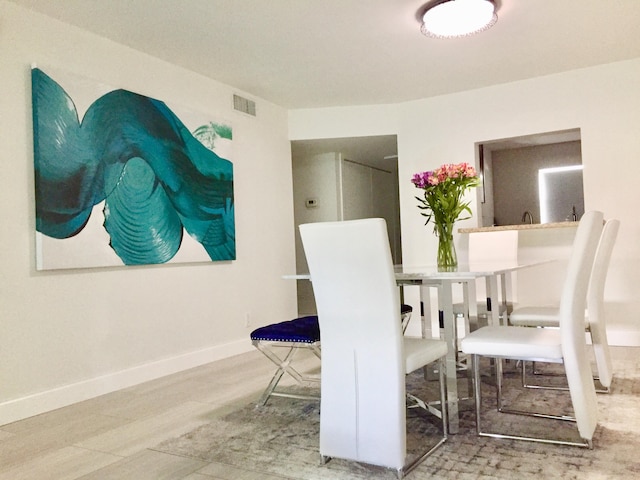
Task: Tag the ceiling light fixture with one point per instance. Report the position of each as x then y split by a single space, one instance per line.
458 18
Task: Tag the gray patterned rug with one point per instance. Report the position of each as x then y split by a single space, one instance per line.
282 438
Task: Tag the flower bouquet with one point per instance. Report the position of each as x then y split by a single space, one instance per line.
443 203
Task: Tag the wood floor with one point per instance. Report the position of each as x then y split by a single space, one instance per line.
111 437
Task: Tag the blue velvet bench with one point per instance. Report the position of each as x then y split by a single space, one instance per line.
405 315
292 336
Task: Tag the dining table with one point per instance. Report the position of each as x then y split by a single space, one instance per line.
444 281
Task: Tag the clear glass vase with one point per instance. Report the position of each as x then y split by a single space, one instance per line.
447 257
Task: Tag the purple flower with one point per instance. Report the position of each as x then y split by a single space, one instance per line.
444 189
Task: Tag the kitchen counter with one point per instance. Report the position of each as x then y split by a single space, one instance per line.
524 226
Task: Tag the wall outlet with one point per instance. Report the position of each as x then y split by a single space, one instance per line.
311 202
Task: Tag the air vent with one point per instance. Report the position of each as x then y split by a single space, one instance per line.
244 105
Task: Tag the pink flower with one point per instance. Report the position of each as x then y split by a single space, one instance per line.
449 181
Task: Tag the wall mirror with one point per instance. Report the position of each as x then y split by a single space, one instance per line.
531 179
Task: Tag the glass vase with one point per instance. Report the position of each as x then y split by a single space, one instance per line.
447 257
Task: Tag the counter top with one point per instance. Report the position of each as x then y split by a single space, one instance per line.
524 226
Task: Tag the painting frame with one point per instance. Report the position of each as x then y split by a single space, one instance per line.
123 179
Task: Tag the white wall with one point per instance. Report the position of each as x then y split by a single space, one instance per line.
603 101
372 192
314 177
70 335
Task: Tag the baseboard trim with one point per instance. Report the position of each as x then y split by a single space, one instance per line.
25 407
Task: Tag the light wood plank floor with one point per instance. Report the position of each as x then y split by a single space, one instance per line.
110 437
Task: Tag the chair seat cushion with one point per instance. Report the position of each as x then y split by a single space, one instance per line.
419 352
540 317
535 316
301 330
519 343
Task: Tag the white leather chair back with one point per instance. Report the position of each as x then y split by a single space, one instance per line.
595 301
363 381
500 245
572 307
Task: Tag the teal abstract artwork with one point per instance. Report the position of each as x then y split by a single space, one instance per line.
127 182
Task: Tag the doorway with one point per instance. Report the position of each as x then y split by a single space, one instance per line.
344 179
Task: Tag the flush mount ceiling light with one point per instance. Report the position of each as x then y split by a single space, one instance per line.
458 18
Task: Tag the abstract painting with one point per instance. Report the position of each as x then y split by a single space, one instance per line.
129 180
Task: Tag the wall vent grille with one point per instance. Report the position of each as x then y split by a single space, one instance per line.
244 105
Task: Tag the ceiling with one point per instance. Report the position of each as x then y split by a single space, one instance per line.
309 54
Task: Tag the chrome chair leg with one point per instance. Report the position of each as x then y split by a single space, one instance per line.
475 364
443 415
475 361
599 387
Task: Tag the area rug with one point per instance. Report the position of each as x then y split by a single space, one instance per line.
282 438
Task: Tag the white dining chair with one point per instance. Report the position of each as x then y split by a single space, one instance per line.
484 247
595 321
365 355
564 345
